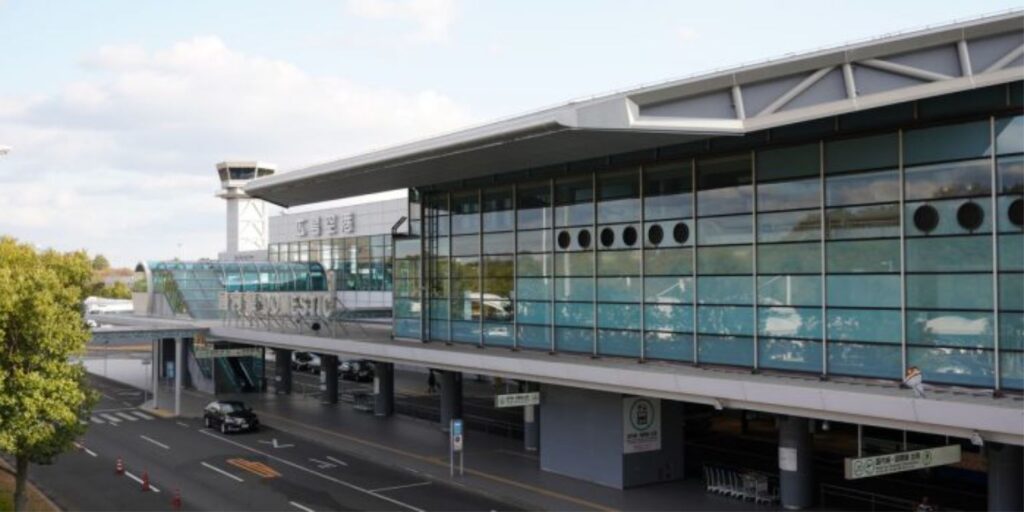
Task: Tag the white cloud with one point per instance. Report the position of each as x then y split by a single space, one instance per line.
432 19
687 34
123 161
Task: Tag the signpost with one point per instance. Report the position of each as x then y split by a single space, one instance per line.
641 424
864 467
455 429
517 399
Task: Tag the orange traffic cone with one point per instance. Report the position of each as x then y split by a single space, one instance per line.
145 481
119 469
176 500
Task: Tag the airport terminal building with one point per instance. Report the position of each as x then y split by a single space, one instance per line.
788 239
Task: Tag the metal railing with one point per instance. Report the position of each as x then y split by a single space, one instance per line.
742 484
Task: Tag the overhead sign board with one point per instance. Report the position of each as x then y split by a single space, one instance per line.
641 424
864 467
517 399
209 353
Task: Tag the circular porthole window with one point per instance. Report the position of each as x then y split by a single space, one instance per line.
1016 212
926 218
681 233
970 216
583 238
564 239
629 236
655 234
607 237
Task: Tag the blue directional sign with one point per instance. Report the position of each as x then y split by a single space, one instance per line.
456 427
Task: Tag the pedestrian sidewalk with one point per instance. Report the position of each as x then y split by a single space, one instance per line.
495 466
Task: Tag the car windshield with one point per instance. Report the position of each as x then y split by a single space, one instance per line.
229 407
302 356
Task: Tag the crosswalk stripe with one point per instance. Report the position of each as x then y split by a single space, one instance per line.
111 418
143 415
95 420
127 416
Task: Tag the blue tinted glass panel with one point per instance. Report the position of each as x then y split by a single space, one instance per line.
873 152
789 258
874 221
618 343
789 226
785 354
619 210
724 185
1010 135
1011 291
618 316
574 215
865 256
966 291
951 253
1011 252
788 162
669 346
438 330
619 289
725 230
964 366
439 309
574 264
1011 369
668 317
498 334
669 289
574 340
864 290
789 290
407 328
618 263
1003 205
533 312
865 360
951 179
951 142
725 290
726 350
668 262
533 289
1011 330
534 265
465 245
535 241
864 325
498 221
466 332
678 206
950 328
728 320
498 243
862 188
531 336
574 314
789 195
725 260
789 322
1010 175
722 201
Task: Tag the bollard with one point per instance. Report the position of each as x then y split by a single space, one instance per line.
119 469
176 500
145 481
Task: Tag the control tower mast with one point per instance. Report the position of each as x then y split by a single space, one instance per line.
247 217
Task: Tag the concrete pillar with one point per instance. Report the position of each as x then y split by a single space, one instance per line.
179 349
531 422
451 397
329 378
796 471
1005 473
282 371
384 389
154 366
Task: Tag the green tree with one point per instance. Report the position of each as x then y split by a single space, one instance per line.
100 262
43 395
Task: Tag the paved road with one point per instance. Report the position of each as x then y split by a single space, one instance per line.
268 470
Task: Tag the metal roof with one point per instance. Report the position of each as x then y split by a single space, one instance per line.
889 70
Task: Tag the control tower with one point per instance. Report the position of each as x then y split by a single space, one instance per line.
247 217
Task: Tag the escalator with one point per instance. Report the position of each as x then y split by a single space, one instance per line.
235 376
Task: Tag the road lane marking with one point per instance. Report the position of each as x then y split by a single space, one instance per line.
86 450
300 507
317 473
424 458
322 464
332 459
139 480
143 415
181 424
397 487
110 418
221 471
95 420
275 443
126 416
254 467
158 443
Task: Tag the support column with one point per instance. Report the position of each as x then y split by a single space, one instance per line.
531 422
154 366
329 378
796 471
179 348
383 389
451 397
282 371
1005 472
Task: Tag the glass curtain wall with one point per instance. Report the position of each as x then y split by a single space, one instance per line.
855 256
359 263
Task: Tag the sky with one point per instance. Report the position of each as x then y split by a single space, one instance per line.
118 111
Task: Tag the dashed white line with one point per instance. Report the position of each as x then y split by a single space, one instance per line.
143 415
336 461
221 471
127 416
300 507
397 487
158 443
95 420
111 418
139 480
181 424
86 450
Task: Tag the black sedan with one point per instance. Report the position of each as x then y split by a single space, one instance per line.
230 416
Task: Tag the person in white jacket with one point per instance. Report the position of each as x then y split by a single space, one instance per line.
913 380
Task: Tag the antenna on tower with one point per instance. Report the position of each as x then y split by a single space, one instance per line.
246 216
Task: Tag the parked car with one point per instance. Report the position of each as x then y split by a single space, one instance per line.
359 370
301 361
314 365
230 416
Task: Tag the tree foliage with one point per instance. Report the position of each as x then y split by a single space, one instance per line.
100 262
43 395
